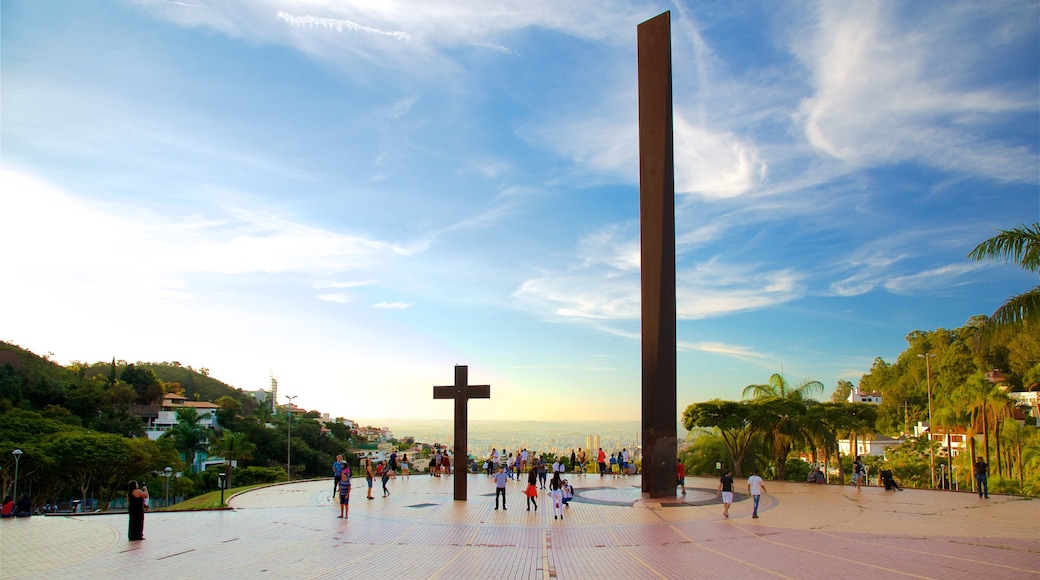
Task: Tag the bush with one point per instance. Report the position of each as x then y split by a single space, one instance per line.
796 470
253 475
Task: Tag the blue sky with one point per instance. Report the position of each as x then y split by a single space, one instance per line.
356 196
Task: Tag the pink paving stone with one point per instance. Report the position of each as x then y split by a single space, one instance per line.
290 531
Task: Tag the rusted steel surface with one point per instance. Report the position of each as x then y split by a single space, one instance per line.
657 237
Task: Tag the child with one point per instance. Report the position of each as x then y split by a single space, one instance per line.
344 491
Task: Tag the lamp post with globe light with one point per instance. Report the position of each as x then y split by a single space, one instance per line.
288 421
928 377
168 472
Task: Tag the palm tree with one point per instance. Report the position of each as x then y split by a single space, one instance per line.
232 447
785 423
189 437
1022 246
778 387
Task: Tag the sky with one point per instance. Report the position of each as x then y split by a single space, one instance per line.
355 197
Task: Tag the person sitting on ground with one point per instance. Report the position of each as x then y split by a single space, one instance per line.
7 511
889 481
23 507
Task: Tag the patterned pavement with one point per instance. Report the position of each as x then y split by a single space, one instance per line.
609 531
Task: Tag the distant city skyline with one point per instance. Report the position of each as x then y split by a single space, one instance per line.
357 196
536 436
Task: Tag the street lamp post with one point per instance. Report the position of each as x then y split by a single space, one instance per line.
928 377
288 455
17 455
168 472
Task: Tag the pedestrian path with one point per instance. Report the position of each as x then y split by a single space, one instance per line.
610 530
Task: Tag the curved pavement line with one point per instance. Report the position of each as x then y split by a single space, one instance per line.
634 556
458 554
370 554
59 537
730 556
934 554
835 557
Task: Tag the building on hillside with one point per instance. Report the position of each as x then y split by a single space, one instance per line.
874 446
261 397
952 440
871 398
159 419
1027 405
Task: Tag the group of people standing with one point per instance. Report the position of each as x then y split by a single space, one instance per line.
560 490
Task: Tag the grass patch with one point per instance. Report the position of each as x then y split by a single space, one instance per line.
210 500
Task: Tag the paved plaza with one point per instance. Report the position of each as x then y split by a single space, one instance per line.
609 531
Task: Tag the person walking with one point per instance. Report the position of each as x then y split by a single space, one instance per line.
556 495
344 492
541 466
857 472
524 459
532 490
500 486
726 491
601 458
680 475
755 488
404 466
386 477
135 500
369 477
982 478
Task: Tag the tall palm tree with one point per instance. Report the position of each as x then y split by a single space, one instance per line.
786 422
189 437
1022 246
232 447
778 387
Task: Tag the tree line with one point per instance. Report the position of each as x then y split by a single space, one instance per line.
948 376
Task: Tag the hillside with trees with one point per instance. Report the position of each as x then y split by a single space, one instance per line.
80 437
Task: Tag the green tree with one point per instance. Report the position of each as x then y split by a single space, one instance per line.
189 437
737 423
97 462
232 447
842 391
782 414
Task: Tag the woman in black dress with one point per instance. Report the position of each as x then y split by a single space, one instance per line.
135 498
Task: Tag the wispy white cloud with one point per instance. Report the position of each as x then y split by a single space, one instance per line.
933 279
232 240
392 305
884 92
338 25
337 297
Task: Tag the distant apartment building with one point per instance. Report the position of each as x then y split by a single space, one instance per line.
592 444
874 446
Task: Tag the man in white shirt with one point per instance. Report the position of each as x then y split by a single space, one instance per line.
755 489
